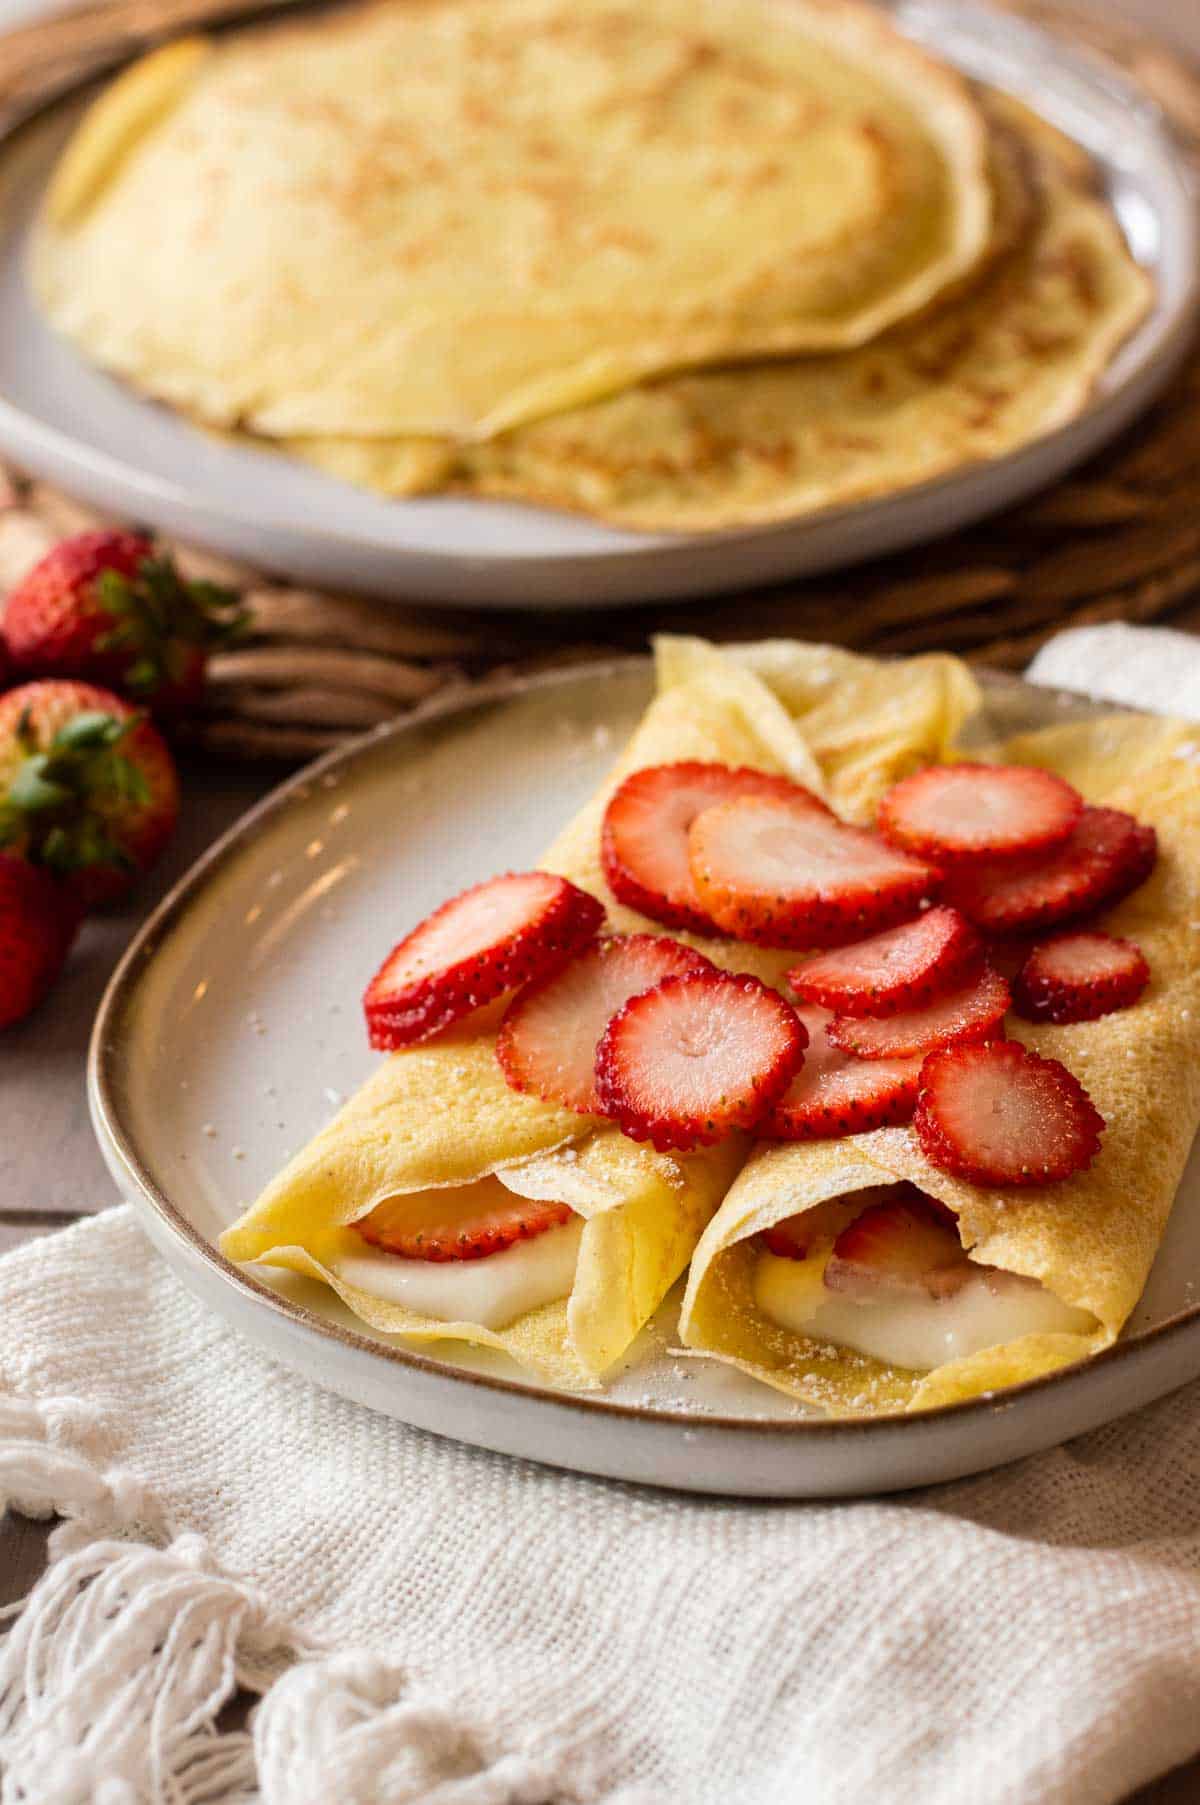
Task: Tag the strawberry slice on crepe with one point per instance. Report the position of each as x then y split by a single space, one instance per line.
835 1094
644 840
1106 855
1079 977
1000 1115
779 874
548 1039
457 1226
481 943
958 811
687 1063
973 1011
906 1244
892 972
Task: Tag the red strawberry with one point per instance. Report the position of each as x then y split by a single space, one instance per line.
644 846
109 607
87 786
907 1245
966 811
481 943
5 665
456 1224
795 1237
834 1094
895 971
548 1039
790 1239
972 1012
781 875
1078 977
1000 1115
38 922
699 1056
1142 860
1107 855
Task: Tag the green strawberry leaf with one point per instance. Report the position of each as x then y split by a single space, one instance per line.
34 791
125 780
66 805
89 731
157 617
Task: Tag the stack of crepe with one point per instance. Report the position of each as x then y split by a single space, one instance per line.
680 268
441 1115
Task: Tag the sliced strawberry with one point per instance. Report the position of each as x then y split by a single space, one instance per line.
466 1223
644 841
1007 955
1141 862
1078 977
1104 858
696 1058
795 1237
472 949
770 871
967 811
972 1012
907 1245
833 1094
1001 1115
895 971
548 1038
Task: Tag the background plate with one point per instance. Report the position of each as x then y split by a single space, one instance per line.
66 422
232 1030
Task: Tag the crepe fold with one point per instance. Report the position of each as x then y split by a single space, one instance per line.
1090 1240
441 1114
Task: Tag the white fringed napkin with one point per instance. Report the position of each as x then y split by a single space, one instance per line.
430 1625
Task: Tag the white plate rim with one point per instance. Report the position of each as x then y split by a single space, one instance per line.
624 569
169 1225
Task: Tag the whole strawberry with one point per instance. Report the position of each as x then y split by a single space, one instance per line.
108 607
88 789
39 918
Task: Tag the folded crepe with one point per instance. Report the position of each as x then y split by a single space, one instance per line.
1088 1242
441 1115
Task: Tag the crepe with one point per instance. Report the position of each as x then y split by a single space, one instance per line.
442 1115
1008 360
451 216
1090 1240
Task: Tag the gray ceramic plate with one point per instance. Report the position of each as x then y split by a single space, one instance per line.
232 1030
64 420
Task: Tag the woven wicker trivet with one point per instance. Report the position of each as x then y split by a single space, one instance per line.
1119 540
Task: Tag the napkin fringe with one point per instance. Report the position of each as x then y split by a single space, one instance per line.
122 1657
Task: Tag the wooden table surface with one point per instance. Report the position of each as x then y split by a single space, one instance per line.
51 1171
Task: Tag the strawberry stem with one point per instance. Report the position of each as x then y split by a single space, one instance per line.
33 792
159 617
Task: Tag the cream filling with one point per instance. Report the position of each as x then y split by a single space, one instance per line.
911 1329
492 1292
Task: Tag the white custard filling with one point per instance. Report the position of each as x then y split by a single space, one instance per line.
903 1329
492 1292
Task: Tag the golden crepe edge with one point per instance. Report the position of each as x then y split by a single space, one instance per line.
1091 1240
441 1114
